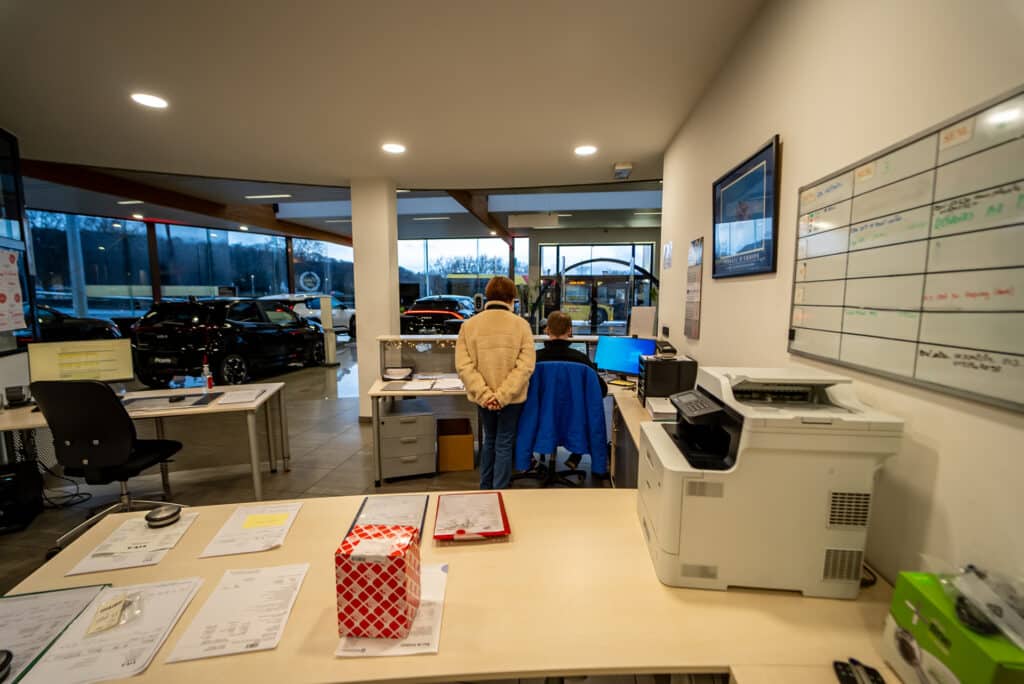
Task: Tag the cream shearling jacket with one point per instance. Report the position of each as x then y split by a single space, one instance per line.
494 355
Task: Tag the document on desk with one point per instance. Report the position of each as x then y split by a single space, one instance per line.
477 515
425 634
399 509
449 385
125 649
134 544
417 385
241 396
29 623
246 612
253 528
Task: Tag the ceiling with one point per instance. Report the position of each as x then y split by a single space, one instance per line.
483 94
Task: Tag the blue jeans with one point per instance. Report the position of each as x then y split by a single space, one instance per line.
499 449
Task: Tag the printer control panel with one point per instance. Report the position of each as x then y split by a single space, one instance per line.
693 404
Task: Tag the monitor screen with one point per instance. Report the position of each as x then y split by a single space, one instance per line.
103 360
622 354
581 347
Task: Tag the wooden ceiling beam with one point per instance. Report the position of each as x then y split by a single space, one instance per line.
86 178
476 204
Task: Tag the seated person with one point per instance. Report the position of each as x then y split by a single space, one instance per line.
556 348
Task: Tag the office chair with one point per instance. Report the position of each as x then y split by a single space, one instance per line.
564 408
95 439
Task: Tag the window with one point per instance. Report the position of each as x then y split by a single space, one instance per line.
245 312
455 266
323 268
279 315
205 262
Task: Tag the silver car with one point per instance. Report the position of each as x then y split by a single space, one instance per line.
308 307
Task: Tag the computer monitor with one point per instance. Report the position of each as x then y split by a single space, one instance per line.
103 360
622 354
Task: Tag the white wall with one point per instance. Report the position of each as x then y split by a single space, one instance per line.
838 81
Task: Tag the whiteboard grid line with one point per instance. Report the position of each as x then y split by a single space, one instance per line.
927 260
911 341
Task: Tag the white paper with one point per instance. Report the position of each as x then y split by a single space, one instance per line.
425 635
246 612
253 528
404 509
468 514
240 397
449 385
134 544
418 385
125 650
30 622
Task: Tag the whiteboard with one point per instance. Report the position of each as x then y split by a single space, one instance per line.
910 263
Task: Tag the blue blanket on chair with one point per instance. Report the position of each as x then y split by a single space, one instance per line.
563 408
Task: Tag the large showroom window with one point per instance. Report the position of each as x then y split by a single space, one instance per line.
207 262
457 266
323 267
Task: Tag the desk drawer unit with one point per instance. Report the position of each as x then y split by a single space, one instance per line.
408 440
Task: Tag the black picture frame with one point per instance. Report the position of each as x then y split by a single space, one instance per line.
745 208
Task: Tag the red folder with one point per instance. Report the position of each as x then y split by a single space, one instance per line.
470 516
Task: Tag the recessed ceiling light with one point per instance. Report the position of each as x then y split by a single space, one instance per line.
647 213
585 150
282 195
431 218
243 227
138 216
337 220
147 100
127 202
115 225
393 148
564 215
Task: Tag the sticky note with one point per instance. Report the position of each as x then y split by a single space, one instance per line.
265 520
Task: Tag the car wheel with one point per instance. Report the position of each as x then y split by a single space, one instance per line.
232 370
352 328
317 356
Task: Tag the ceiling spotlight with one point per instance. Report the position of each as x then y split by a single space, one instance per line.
282 195
138 216
243 227
431 218
147 100
127 202
585 150
393 148
115 225
337 220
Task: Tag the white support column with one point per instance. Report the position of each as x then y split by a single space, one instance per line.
375 266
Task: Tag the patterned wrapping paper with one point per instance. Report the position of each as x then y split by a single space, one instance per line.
377 571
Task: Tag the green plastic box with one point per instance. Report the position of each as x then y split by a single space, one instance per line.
925 642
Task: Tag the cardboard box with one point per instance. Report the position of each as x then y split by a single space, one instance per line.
454 444
377 570
925 643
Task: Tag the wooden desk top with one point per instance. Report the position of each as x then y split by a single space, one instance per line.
573 592
633 412
24 418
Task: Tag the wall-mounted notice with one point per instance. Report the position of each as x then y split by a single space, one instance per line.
910 263
694 274
12 316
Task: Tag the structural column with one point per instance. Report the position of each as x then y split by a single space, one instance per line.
375 267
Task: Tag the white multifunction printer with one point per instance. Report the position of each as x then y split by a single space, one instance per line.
764 480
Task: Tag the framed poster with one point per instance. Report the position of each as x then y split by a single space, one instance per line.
746 202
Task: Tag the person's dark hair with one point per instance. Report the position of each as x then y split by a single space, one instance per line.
559 323
500 289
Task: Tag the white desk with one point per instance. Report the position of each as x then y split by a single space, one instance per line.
573 592
24 418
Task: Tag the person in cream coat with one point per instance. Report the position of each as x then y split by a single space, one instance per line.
494 357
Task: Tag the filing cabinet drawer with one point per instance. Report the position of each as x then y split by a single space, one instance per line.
396 426
411 455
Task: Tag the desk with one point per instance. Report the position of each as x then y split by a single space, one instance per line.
24 418
628 414
576 571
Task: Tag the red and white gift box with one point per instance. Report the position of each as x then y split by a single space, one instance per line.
378 581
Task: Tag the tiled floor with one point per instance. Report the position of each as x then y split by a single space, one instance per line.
331 456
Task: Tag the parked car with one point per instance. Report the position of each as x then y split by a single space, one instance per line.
57 326
238 336
308 307
437 315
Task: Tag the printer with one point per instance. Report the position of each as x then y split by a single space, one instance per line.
765 480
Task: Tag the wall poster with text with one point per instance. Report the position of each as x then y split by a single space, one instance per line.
694 274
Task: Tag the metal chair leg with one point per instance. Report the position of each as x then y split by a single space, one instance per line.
165 480
78 530
145 504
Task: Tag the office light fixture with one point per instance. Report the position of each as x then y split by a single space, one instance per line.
243 227
393 148
283 195
213 235
431 218
647 213
337 220
127 202
564 215
1005 116
585 150
115 225
494 232
401 190
148 100
138 216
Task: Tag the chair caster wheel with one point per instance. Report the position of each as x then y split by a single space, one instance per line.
51 552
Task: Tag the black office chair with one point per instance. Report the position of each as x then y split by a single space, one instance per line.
94 438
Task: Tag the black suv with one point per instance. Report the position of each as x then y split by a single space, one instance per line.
56 326
239 336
